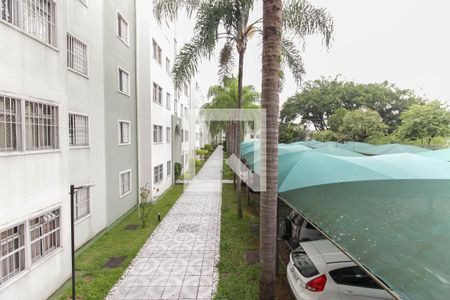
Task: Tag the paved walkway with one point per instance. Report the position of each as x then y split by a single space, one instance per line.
179 259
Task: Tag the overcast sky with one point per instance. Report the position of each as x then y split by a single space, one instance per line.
404 41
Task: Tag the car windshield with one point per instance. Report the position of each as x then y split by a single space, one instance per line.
303 263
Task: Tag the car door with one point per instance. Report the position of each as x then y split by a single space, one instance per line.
355 284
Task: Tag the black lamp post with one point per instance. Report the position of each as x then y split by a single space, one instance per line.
72 230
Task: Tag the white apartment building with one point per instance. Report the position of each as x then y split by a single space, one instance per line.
86 98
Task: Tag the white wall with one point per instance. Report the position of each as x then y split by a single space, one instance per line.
36 182
86 96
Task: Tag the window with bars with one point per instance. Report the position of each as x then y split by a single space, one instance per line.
11 128
168 100
82 203
157 134
157 94
122 28
158 173
124 81
77 55
157 52
35 17
12 252
125 183
41 126
124 133
168 134
45 234
78 130
169 168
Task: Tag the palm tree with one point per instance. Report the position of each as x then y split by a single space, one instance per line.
228 21
297 18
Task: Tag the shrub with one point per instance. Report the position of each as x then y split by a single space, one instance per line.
177 170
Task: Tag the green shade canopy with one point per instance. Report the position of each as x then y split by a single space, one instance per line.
254 161
311 144
443 154
398 229
399 148
337 151
390 212
362 148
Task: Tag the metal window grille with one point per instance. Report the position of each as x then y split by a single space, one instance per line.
122 28
35 17
157 133
12 252
41 126
125 183
157 93
123 81
10 124
45 234
124 132
169 167
168 134
158 173
82 203
77 55
78 130
168 100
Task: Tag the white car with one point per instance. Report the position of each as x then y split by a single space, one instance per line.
296 229
319 270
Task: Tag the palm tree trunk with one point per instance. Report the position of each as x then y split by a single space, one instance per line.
272 24
238 132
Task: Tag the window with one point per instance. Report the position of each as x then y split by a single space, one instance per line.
77 55
168 134
157 94
41 126
157 52
175 106
185 112
12 252
168 100
157 134
354 276
168 66
124 81
11 128
186 133
39 132
181 110
35 17
169 167
125 183
45 234
182 135
82 203
122 28
124 133
186 90
158 173
78 130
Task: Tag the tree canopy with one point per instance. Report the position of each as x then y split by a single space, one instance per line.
358 125
320 99
291 132
424 122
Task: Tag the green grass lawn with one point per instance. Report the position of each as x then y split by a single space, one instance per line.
238 280
94 281
227 172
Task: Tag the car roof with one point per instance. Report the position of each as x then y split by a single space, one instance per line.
326 249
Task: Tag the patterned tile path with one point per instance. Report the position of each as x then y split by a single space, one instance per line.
179 259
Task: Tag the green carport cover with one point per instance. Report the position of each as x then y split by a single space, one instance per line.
399 148
392 214
443 154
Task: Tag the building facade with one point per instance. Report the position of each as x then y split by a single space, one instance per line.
86 98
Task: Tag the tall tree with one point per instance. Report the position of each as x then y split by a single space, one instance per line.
425 122
320 99
358 125
271 68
